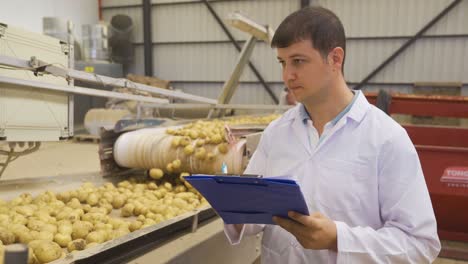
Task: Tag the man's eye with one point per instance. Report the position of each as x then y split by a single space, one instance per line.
281 62
298 61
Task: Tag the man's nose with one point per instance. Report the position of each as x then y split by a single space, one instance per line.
289 74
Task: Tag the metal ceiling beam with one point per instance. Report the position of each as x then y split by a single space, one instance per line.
407 44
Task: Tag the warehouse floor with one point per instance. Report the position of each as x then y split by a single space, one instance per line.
69 158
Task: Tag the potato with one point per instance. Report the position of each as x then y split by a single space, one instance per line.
16 227
43 216
170 131
65 228
180 203
216 139
142 218
175 142
149 221
158 194
139 187
4 217
92 199
200 143
6 236
88 185
158 218
200 153
95 218
193 134
19 219
100 226
75 215
64 196
17 201
34 224
73 194
107 206
81 229
170 168
176 164
98 210
82 196
180 188
77 244
127 210
24 237
184 195
223 148
116 223
50 228
135 225
167 186
25 210
74 203
109 185
185 141
188 150
163 191
140 210
62 239
47 251
118 201
152 186
96 237
168 200
108 196
45 235
194 201
119 232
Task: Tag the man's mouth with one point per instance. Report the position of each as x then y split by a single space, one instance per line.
295 88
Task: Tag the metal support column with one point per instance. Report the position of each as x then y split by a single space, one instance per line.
407 44
231 84
147 42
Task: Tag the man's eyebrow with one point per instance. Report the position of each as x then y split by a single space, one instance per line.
297 55
293 56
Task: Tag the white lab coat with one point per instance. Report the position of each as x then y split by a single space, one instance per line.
365 175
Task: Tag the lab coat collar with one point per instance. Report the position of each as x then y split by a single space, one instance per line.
360 108
357 112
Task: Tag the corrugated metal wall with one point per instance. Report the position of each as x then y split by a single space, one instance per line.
429 59
191 49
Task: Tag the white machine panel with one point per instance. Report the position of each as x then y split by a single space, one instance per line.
28 114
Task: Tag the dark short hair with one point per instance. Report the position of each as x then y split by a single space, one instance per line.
318 24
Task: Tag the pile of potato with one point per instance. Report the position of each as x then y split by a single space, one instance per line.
204 140
79 219
252 120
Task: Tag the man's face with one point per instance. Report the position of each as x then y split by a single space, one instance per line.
305 72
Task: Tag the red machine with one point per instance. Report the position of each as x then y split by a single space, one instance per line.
443 151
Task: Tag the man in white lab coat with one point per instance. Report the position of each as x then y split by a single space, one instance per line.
358 170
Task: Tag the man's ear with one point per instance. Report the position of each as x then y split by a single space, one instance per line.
336 57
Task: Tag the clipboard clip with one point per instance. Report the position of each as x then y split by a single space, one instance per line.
242 179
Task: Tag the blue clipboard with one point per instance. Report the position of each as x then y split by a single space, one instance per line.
250 200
